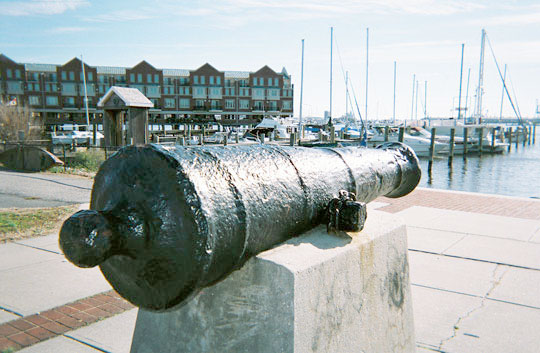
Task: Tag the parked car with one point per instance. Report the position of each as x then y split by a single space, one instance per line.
79 137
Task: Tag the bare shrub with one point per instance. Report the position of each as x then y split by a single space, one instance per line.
18 123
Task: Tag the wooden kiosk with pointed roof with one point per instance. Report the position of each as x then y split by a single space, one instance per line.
127 107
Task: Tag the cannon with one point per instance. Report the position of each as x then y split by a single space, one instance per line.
165 222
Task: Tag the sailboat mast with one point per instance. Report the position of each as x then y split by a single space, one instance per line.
480 89
367 70
413 92
425 99
301 86
347 95
331 47
460 81
502 97
416 103
394 105
85 95
467 94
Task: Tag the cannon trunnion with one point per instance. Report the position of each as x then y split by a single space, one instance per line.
166 222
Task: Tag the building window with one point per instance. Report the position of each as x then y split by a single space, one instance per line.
211 80
244 104
14 87
51 100
69 88
258 105
272 105
196 79
149 78
72 76
51 87
17 73
139 78
152 91
183 80
276 82
69 102
258 92
90 76
8 73
64 76
287 105
156 78
215 104
131 77
169 103
184 103
218 80
254 81
202 80
33 100
199 104
229 103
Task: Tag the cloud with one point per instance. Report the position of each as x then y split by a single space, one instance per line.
236 13
521 19
123 16
40 7
322 8
62 30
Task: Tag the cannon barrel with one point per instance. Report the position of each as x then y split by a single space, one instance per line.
166 222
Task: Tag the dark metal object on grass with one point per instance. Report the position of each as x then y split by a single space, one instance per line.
166 222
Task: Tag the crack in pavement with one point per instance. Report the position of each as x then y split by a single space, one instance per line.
495 282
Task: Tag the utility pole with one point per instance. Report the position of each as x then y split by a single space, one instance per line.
85 96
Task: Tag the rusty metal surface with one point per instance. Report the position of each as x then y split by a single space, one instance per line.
166 222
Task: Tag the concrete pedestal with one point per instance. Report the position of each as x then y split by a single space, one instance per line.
314 293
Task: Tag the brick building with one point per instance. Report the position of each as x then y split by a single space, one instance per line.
56 92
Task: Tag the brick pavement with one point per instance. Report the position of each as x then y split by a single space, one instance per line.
29 330
467 202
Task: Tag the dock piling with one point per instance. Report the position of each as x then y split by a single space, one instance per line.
451 153
509 138
480 140
386 133
465 141
432 147
401 134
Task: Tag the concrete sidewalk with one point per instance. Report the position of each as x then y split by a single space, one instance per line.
474 264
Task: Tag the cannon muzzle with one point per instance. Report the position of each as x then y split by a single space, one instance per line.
166 222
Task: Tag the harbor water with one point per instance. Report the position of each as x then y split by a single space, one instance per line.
514 173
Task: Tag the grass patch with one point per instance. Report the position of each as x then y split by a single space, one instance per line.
89 160
84 163
30 222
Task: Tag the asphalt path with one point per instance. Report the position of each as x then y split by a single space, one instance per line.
22 190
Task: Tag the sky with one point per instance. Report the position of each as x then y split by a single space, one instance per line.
423 37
